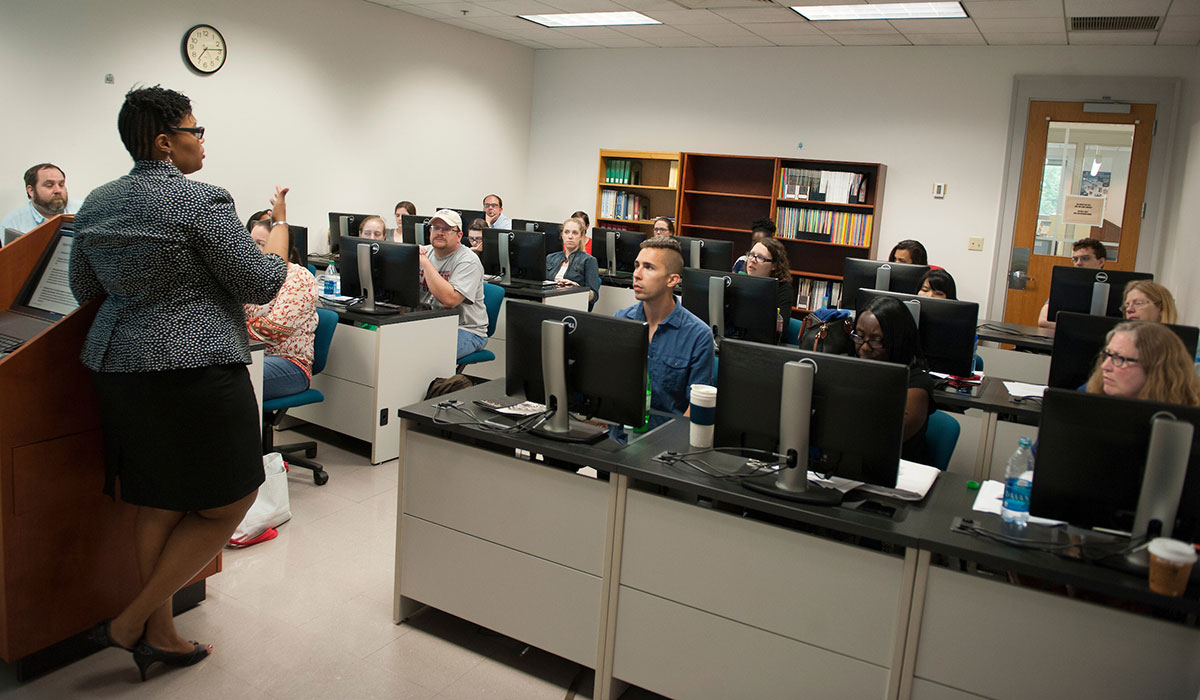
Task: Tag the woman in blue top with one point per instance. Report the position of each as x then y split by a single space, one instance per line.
168 351
571 267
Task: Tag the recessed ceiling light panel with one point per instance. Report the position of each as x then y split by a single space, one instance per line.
591 19
890 10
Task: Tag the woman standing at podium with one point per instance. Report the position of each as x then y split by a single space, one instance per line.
168 352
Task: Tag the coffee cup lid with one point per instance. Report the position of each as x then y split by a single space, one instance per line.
1173 550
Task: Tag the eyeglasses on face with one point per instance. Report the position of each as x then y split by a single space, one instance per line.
1119 361
859 339
755 257
490 205
436 228
1137 303
197 131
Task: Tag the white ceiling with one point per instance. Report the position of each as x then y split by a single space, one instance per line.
706 23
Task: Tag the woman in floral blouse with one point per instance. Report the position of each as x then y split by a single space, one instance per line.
286 324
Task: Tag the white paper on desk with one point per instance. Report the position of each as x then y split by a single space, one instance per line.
990 496
337 298
912 483
1024 390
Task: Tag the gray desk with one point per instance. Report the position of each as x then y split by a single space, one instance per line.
691 586
997 404
1027 338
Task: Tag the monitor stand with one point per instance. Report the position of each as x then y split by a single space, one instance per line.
795 414
1099 299
1162 482
560 425
367 305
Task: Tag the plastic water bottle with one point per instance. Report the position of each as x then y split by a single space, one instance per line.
1018 482
778 323
330 282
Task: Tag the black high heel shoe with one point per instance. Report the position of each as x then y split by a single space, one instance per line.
101 635
146 656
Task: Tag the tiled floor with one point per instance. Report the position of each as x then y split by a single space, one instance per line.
309 615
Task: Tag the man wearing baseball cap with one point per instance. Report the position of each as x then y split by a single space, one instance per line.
452 278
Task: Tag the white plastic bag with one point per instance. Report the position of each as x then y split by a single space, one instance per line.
271 507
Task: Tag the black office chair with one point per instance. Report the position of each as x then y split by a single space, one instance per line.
275 409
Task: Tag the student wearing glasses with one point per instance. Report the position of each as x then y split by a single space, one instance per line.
885 331
759 229
768 258
1149 301
1085 252
452 278
1145 360
475 235
493 211
571 266
663 227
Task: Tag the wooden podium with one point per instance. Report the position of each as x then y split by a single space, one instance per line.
66 549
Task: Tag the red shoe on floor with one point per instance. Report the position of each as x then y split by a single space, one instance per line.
268 534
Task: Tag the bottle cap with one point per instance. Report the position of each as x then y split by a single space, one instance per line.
973 485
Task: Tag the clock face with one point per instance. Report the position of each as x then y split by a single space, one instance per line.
204 48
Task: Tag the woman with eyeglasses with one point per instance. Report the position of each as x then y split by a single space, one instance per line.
884 330
1149 301
168 351
1145 360
768 258
571 266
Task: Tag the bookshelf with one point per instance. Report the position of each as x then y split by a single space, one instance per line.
722 194
635 187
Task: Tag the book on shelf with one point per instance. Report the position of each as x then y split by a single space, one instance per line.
673 177
843 228
622 171
833 186
813 294
619 204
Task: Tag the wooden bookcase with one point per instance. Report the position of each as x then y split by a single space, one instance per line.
722 194
653 179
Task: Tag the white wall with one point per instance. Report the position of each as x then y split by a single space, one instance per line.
353 105
931 114
1183 220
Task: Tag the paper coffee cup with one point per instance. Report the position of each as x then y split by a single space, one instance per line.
1170 566
703 413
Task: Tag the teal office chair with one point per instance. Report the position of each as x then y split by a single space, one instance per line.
791 336
941 435
978 363
493 299
275 409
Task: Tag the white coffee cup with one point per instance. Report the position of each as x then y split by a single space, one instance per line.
703 413
1170 565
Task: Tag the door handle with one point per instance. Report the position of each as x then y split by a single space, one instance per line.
1021 276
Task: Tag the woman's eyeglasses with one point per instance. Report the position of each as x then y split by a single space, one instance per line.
1137 303
755 257
197 131
1119 361
859 339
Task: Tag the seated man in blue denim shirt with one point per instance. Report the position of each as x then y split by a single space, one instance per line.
681 345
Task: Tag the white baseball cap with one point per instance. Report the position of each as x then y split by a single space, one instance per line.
449 216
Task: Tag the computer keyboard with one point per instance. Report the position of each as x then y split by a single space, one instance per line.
8 343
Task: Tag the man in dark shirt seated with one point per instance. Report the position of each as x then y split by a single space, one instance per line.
681 345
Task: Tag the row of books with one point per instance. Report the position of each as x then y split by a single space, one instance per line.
619 171
823 185
844 228
619 204
813 294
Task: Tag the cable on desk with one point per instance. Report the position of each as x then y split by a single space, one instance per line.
1087 552
524 425
761 469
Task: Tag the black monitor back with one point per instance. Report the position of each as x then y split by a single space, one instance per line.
490 255
606 360
468 215
348 265
1091 457
628 244
527 253
715 254
298 241
860 274
408 228
396 270
947 330
1071 289
750 311
1078 340
336 230
858 407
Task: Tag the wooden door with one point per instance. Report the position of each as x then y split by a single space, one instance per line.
1076 154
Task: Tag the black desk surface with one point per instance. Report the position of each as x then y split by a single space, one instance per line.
993 398
371 319
625 281
1028 338
926 525
539 293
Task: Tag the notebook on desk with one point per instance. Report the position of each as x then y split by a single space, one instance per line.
45 298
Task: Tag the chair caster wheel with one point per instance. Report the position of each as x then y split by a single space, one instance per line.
310 452
319 478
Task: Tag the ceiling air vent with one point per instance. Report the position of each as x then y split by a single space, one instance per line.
1113 24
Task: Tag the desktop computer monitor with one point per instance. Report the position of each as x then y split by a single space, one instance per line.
829 413
468 215
414 230
384 275
592 363
947 329
1117 464
1078 340
706 253
549 229
298 241
616 250
342 224
527 257
734 306
874 274
1086 290
495 253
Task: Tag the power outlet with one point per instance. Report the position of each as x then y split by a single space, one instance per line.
975 243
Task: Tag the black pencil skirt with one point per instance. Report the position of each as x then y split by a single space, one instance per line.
180 440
